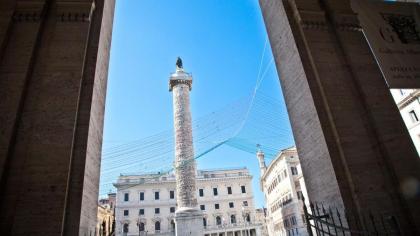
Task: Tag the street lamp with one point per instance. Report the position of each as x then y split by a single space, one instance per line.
141 228
224 226
245 217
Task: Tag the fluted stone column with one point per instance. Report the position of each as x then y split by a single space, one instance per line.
188 218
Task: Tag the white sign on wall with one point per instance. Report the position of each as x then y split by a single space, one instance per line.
393 32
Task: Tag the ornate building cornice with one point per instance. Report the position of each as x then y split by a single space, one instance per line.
346 22
408 99
75 11
133 183
316 20
65 11
29 11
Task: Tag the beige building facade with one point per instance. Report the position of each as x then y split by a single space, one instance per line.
105 222
283 186
146 204
408 102
260 218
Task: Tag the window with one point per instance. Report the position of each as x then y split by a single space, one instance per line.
172 209
202 207
141 227
157 210
215 191
157 226
248 218
125 228
294 170
413 116
293 220
229 190
204 222
172 225
402 92
300 195
218 220
286 222
243 189
231 204
233 219
142 196
156 195
216 206
125 212
171 194
141 212
201 192
245 203
285 173
126 197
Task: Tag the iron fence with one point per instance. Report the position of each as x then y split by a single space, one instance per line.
321 220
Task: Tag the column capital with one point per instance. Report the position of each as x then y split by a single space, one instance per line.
180 77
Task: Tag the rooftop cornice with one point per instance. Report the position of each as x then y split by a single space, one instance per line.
160 182
408 99
278 158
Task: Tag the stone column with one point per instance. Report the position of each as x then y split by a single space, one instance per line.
188 218
261 162
354 149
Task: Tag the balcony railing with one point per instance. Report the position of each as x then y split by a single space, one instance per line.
231 226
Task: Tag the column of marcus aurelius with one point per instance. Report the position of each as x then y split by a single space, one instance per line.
354 149
53 72
188 218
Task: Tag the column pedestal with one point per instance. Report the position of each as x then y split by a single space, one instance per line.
188 221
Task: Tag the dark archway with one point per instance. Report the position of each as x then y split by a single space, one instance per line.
141 227
125 228
172 225
157 226
218 220
233 219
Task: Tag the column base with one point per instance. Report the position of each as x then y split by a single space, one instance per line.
188 222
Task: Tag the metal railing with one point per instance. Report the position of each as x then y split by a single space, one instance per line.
321 220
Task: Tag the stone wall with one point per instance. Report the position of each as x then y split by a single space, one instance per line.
53 71
354 149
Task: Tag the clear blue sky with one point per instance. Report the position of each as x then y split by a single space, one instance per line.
220 42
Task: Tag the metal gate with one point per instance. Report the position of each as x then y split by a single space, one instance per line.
322 220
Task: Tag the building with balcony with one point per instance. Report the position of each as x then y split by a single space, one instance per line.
146 203
105 221
283 186
261 218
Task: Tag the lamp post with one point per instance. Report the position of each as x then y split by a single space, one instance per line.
224 224
245 216
139 226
